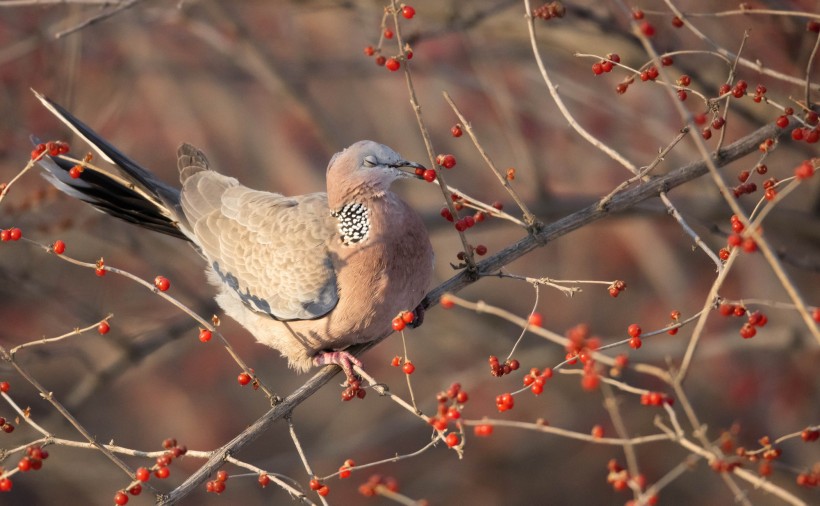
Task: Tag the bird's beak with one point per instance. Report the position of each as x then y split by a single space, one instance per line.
411 169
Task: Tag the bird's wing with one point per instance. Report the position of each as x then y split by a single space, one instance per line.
270 249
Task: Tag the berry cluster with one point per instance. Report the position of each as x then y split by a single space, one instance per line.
619 478
450 404
394 62
755 319
634 331
51 148
403 319
616 288
11 234
504 402
319 487
735 240
809 134
581 345
606 65
537 378
549 11
498 370
656 399
217 486
354 390
33 460
368 488
408 366
160 469
344 470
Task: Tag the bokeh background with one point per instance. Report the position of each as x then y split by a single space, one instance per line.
270 90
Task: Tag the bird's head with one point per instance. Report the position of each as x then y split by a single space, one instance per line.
366 167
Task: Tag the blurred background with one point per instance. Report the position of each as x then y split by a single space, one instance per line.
270 90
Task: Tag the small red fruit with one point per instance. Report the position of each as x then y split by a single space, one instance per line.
120 498
456 131
535 319
451 439
635 342
103 328
15 234
597 432
388 33
143 474
243 378
398 324
408 12
58 247
634 330
408 367
205 335
392 64
162 283
430 175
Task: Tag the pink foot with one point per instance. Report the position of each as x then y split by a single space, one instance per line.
341 358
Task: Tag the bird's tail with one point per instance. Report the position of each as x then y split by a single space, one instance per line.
124 190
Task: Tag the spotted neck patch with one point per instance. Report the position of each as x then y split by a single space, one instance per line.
354 223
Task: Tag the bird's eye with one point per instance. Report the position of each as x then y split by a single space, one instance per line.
370 161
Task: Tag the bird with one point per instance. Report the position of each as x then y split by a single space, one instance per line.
308 275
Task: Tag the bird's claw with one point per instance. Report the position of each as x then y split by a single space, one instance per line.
341 358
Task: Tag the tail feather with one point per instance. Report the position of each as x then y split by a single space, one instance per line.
128 191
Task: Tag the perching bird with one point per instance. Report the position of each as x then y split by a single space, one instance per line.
308 275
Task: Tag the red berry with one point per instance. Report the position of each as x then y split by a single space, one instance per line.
706 133
323 490
447 161
456 131
76 171
408 12
388 33
392 64
408 367
398 324
143 474
380 60
613 57
430 175
243 378
162 473
597 68
58 247
120 498
451 439
597 432
635 342
637 14
797 134
535 319
204 335
222 475
677 22
135 490
481 250
162 283
747 331
315 484
804 171
446 302
369 51
718 123
24 465
782 121
483 430
634 330
263 480
103 328
5 485
606 66
15 234
396 361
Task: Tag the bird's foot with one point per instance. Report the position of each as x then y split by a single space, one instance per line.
418 319
341 358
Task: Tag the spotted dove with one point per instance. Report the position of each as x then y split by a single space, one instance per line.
308 275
